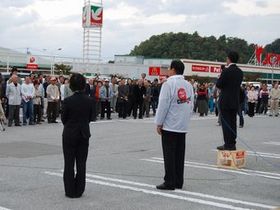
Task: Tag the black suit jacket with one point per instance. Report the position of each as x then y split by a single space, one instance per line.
229 84
76 116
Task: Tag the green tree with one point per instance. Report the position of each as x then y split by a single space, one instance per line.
62 69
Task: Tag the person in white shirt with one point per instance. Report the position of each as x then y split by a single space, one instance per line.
13 93
172 121
27 94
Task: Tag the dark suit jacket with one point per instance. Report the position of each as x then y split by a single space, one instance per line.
229 84
76 116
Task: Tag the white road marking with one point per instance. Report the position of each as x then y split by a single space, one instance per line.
272 143
182 192
3 208
215 168
168 195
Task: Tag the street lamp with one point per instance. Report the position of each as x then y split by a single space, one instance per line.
53 59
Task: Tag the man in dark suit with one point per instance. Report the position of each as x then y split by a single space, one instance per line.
76 116
229 84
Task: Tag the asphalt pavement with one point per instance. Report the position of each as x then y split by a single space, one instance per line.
125 163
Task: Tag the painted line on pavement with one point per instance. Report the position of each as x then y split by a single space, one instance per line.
215 168
3 208
183 192
272 143
153 192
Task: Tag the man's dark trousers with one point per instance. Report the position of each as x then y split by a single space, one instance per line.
75 150
228 118
173 146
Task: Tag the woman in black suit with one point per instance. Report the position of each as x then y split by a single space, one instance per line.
76 116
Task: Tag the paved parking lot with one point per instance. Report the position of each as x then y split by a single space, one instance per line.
125 163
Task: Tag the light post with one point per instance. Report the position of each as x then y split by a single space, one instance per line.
52 54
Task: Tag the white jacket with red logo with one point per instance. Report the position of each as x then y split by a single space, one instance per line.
175 106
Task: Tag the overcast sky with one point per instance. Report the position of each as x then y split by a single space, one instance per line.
53 24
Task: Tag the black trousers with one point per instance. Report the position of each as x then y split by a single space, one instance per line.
37 113
228 118
75 150
137 105
105 105
251 111
173 146
123 104
52 111
13 114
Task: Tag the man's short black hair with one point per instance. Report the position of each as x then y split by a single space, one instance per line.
178 66
77 82
233 56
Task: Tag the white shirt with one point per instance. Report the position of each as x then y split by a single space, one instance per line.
175 107
27 91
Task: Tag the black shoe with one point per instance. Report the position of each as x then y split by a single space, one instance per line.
163 186
226 148
54 122
241 126
31 123
109 118
18 125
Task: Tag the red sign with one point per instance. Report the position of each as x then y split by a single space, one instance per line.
154 71
31 63
32 66
215 69
199 68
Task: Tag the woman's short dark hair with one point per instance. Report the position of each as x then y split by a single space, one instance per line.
178 66
77 82
233 56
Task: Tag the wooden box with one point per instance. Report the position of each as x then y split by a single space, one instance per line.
231 159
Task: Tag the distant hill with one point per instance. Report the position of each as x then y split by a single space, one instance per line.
193 46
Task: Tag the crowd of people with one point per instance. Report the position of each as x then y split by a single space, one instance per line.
41 98
253 99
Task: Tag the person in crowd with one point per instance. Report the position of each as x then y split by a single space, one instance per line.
138 94
172 121
155 94
28 93
147 98
229 83
131 98
264 96
106 95
53 100
37 100
275 96
2 114
114 87
2 91
241 106
13 93
202 103
45 85
67 90
76 116
258 102
123 93
97 97
211 104
252 99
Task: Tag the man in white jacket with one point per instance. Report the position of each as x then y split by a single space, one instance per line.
172 120
13 93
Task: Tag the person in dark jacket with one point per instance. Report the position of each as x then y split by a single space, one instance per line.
138 91
241 106
76 116
229 83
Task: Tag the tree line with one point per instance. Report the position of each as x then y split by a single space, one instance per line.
193 46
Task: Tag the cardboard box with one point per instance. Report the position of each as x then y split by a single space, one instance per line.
231 159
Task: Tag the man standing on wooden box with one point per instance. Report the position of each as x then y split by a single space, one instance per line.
229 84
172 120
